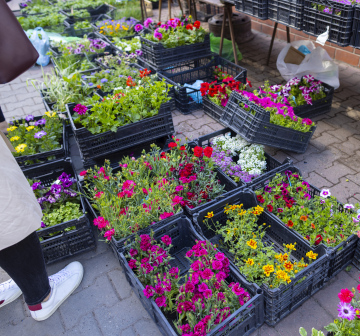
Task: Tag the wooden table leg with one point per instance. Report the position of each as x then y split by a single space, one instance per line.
142 11
194 8
160 5
222 33
232 35
271 43
169 8
288 34
180 5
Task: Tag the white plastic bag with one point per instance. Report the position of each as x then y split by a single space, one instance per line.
41 44
318 63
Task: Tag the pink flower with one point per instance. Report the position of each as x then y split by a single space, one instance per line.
203 287
166 240
128 184
101 223
220 296
132 263
176 200
220 256
166 215
346 295
189 287
207 274
174 272
207 293
238 290
148 291
220 276
99 194
133 252
179 188
197 265
200 328
195 278
189 253
83 173
217 265
197 297
217 284
159 290
161 301
145 191
80 109
109 234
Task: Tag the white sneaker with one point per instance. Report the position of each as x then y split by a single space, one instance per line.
9 291
62 285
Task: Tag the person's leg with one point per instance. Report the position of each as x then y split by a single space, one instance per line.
24 262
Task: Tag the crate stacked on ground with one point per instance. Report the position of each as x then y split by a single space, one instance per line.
93 12
320 14
69 238
71 29
341 255
256 8
272 165
287 12
355 37
255 127
205 11
243 321
188 99
281 301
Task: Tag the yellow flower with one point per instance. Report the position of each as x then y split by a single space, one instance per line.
311 255
291 246
12 128
288 266
210 214
252 243
14 138
250 262
242 212
125 28
29 128
268 269
280 274
284 257
20 148
50 115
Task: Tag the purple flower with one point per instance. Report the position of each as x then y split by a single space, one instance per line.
40 134
139 52
158 35
90 84
70 192
103 80
148 22
139 27
43 225
346 311
36 185
56 188
80 109
29 117
40 122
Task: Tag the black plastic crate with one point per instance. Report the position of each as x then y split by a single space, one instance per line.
212 110
58 153
67 243
47 104
256 128
160 57
272 165
341 255
71 31
98 145
256 8
54 59
318 107
340 20
93 13
187 99
243 322
356 260
281 301
287 12
355 37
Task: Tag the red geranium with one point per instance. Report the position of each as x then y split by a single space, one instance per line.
172 145
346 295
198 151
270 207
182 148
208 152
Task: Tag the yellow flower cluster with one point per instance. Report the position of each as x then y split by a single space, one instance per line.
20 148
15 138
12 128
111 28
50 114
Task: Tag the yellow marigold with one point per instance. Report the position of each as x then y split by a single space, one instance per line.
29 128
250 262
280 274
291 246
311 255
288 266
11 128
284 257
20 148
210 214
242 212
14 138
252 243
268 269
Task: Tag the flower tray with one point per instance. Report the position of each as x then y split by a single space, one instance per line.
355 37
93 146
243 322
287 12
341 255
340 21
255 127
93 12
281 301
56 57
356 260
272 165
160 57
71 31
318 107
187 72
211 109
66 243
256 8
43 158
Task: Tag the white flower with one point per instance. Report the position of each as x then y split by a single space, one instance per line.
325 193
349 206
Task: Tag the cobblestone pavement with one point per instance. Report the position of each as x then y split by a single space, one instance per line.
104 303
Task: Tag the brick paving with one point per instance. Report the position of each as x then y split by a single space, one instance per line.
104 303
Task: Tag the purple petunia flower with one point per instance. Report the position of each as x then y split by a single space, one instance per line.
40 122
43 225
80 109
40 134
36 185
139 52
29 117
158 35
148 22
138 27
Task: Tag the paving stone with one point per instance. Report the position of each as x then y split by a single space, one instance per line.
318 181
344 190
198 123
24 103
338 170
121 315
118 279
147 327
184 127
85 327
128 332
215 126
348 145
265 330
12 313
98 296
328 299
181 118
323 141
309 315
205 129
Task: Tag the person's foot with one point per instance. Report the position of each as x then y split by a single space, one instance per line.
9 291
4 126
62 285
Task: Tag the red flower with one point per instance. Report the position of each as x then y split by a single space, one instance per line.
189 27
247 81
172 145
198 151
182 148
83 173
346 295
290 224
197 24
318 239
208 152
260 198
270 207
